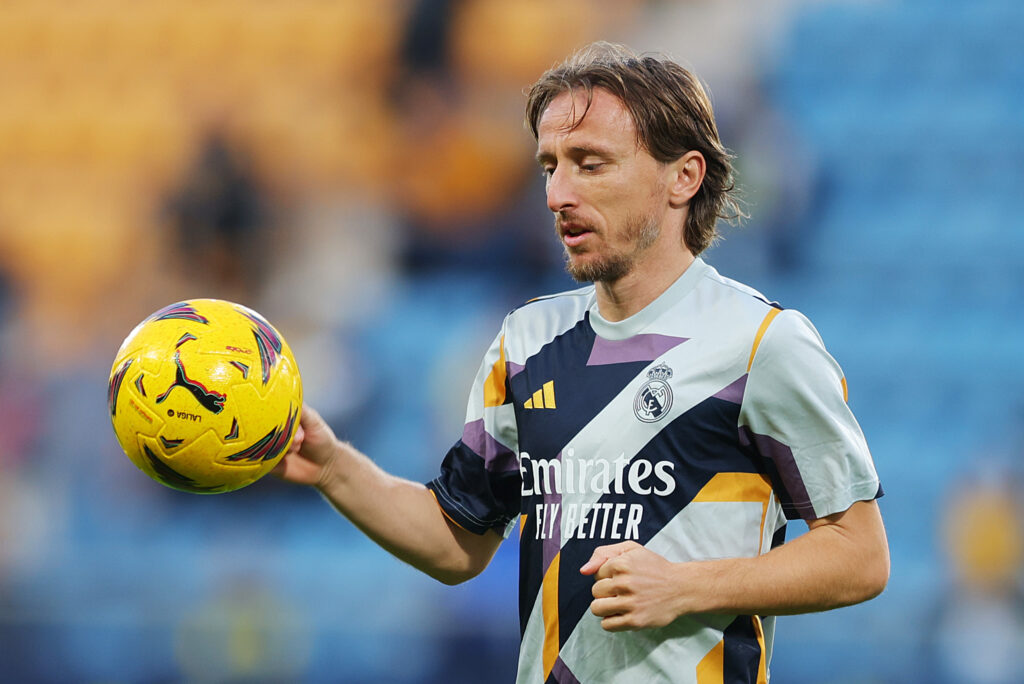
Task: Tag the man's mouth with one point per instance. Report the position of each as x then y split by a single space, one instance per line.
573 234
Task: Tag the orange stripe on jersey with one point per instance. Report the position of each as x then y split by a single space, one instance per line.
549 605
762 666
711 668
746 487
736 487
444 512
760 333
494 385
846 390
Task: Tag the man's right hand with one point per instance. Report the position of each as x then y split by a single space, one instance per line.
310 458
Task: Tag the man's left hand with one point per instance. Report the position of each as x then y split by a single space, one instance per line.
634 587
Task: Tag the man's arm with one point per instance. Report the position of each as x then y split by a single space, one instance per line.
400 515
843 559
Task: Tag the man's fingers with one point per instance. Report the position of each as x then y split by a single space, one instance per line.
617 623
602 554
614 613
294 468
606 607
309 415
604 588
300 436
597 559
611 568
285 468
616 565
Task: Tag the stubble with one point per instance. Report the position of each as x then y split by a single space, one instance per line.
640 231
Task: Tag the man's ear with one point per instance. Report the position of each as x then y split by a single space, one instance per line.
687 175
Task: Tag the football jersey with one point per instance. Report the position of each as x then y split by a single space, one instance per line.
696 427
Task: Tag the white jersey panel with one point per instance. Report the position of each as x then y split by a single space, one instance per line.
795 395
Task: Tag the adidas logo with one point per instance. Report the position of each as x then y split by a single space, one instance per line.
544 398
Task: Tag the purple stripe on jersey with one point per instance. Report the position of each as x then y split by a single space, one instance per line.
551 527
799 502
513 369
562 673
636 348
551 545
734 391
497 457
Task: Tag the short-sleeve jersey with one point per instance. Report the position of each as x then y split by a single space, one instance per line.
695 427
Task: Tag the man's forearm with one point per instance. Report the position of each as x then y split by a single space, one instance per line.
403 518
838 562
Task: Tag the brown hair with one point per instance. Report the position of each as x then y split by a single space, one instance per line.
672 114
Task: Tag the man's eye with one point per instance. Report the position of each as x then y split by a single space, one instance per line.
590 168
546 171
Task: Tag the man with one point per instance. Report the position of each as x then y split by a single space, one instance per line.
649 435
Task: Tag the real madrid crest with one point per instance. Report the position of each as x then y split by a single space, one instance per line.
654 398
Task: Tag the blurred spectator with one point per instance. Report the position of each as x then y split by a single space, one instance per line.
220 218
425 44
20 392
780 183
977 635
776 173
463 181
245 633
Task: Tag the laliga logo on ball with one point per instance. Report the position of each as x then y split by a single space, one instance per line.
191 404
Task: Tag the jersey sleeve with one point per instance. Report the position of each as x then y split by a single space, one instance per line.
794 414
480 482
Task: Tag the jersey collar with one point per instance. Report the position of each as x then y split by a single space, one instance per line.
638 322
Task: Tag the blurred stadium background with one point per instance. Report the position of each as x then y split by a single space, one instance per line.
359 173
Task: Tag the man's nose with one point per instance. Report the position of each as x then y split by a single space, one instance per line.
561 190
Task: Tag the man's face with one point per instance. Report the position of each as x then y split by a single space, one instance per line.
608 195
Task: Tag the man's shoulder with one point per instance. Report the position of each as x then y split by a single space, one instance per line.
542 319
566 303
729 288
724 308
778 331
585 292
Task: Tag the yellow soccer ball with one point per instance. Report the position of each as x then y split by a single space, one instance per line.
205 396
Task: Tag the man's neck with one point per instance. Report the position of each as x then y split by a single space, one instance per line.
629 294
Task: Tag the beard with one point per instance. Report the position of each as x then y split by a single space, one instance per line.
640 231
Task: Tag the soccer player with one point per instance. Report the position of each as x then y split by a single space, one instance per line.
647 436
